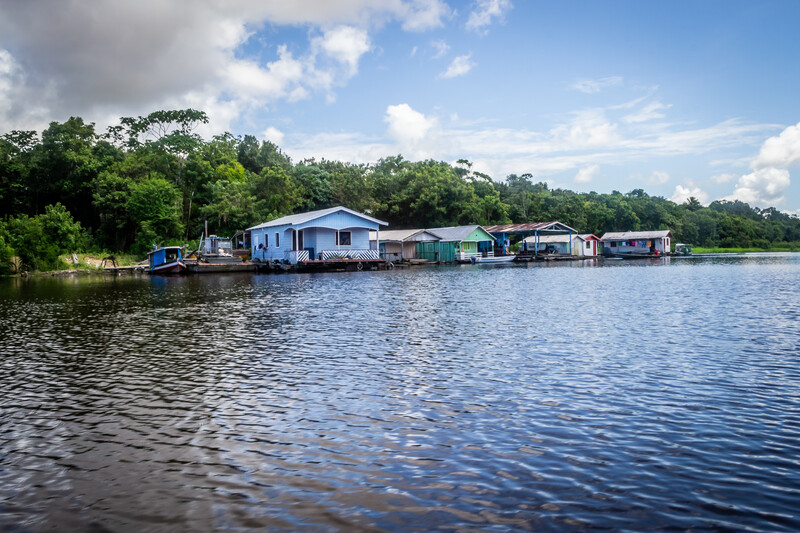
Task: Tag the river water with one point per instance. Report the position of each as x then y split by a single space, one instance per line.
617 395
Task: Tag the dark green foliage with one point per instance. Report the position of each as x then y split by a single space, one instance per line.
39 240
153 180
6 253
154 209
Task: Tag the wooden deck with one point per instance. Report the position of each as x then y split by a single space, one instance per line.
322 265
199 267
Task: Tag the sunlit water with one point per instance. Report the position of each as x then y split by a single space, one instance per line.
631 395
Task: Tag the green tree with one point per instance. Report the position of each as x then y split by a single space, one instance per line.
155 210
15 166
40 240
63 166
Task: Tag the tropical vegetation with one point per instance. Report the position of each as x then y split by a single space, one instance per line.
153 180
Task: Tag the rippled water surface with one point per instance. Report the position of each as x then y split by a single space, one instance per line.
631 395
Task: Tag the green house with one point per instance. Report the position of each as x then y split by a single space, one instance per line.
460 243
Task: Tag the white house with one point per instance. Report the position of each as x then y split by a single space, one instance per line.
567 244
327 234
591 243
637 242
401 244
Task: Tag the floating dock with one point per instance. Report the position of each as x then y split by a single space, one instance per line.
201 267
322 265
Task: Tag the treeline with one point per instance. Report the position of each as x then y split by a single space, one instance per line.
153 180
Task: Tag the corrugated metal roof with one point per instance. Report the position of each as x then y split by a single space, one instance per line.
532 226
587 236
301 218
635 235
549 239
400 235
455 233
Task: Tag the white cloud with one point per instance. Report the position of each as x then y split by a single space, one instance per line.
591 86
587 129
460 66
421 15
770 179
658 177
345 44
649 112
164 55
484 13
781 151
723 178
441 48
587 174
349 147
406 126
764 187
273 135
682 193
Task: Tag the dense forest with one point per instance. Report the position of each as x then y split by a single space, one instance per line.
153 180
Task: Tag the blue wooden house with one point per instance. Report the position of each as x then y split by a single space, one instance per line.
325 235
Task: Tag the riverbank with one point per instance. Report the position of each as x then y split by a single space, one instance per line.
77 264
701 250
87 264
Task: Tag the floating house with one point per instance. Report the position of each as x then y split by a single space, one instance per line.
406 244
636 242
460 243
567 244
337 233
508 234
591 244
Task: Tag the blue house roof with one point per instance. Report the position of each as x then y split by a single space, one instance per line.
302 218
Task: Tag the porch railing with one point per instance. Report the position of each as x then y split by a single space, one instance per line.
296 256
361 255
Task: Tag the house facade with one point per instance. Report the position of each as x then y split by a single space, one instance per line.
591 244
509 234
324 235
405 244
636 242
569 244
460 243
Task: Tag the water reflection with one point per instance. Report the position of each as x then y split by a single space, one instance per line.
617 395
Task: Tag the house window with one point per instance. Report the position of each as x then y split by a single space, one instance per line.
277 240
613 244
344 238
588 245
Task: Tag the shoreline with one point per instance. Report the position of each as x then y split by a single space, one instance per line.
132 270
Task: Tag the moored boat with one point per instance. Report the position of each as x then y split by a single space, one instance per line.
477 259
166 260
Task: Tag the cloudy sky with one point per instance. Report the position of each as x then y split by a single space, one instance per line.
679 98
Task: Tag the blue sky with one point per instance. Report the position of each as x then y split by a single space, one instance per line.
680 98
